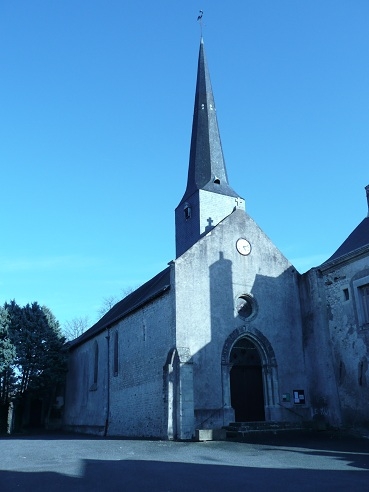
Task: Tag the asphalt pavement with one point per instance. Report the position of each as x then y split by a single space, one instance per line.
310 461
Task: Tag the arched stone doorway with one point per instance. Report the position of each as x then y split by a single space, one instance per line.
171 369
252 375
246 382
178 394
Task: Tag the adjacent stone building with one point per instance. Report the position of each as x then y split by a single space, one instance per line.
336 330
230 330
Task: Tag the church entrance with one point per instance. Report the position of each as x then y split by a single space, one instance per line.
246 382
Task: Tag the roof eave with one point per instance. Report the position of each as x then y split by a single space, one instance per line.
88 336
346 258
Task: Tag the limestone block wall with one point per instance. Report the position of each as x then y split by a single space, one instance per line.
209 279
320 366
207 209
86 387
127 399
137 392
349 336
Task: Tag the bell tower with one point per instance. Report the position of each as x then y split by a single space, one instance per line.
208 198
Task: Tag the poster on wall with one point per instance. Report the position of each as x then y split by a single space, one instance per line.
299 397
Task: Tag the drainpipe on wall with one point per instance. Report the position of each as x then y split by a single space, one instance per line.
108 386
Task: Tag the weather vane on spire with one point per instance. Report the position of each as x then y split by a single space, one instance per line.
199 18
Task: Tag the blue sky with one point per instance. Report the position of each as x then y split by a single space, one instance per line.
96 103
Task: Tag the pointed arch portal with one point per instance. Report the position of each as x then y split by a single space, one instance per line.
246 382
249 376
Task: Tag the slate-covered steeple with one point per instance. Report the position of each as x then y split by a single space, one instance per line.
208 198
207 169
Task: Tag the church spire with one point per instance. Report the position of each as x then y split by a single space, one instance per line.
208 198
207 169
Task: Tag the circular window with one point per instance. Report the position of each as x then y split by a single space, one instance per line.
245 306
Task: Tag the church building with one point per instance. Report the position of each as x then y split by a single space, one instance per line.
230 331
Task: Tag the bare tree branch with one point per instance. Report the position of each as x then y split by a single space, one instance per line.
75 327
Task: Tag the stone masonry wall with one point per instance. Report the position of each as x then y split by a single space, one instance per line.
320 367
129 401
209 279
86 401
136 391
349 338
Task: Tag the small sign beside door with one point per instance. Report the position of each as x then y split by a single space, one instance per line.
299 397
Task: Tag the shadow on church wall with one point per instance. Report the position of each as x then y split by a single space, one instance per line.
272 322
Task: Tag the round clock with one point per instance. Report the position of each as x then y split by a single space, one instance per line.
243 246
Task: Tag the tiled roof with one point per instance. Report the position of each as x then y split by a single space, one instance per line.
144 294
358 239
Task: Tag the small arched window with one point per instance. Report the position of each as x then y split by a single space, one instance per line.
116 355
96 362
187 211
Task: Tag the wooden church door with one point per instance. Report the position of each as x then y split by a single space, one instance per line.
246 381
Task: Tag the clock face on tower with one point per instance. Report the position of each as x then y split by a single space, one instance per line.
243 246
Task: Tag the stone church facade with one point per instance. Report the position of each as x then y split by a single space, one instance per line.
230 330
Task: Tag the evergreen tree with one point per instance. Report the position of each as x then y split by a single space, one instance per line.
7 356
40 359
32 354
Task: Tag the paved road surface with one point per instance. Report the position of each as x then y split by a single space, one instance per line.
293 462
